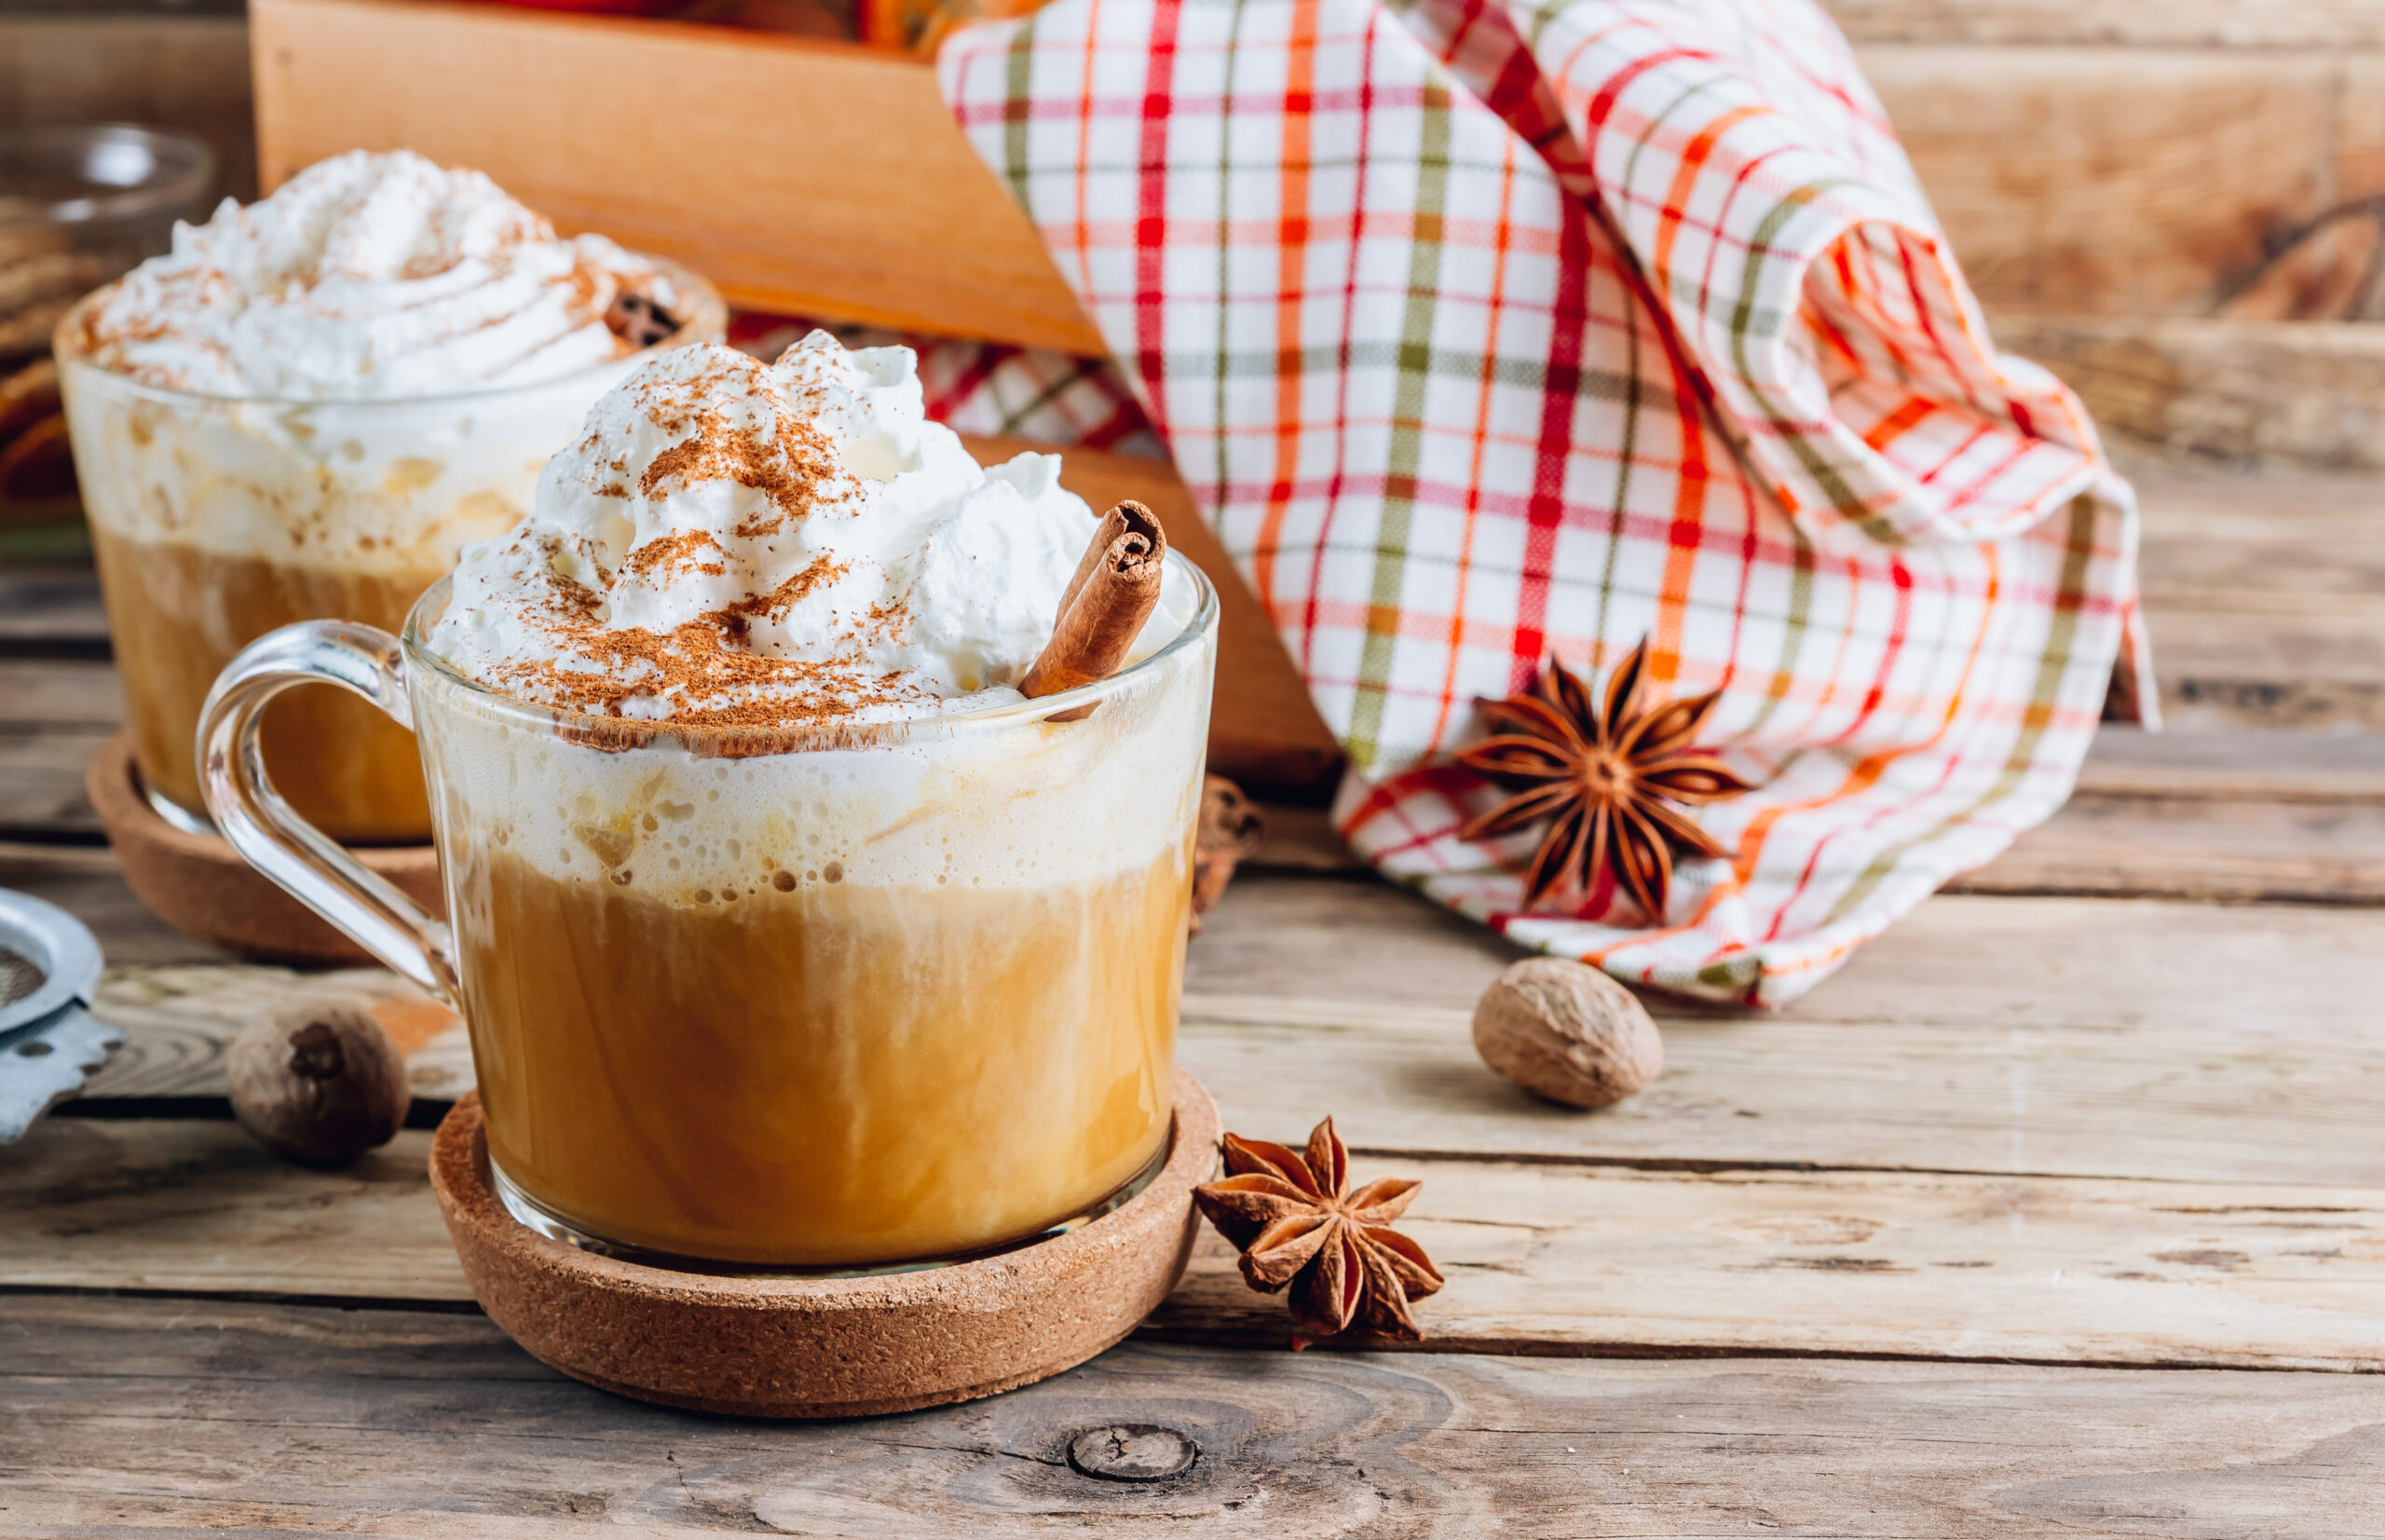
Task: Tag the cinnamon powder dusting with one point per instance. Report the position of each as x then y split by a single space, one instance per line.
702 672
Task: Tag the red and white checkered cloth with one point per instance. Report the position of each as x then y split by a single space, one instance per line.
1482 332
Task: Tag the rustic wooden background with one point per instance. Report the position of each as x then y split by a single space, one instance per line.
2175 203
2059 1212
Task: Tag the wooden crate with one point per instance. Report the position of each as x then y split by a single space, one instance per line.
801 176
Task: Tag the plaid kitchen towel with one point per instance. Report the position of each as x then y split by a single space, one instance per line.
1484 332
986 388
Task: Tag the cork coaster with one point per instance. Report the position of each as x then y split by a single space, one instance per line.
826 1347
199 885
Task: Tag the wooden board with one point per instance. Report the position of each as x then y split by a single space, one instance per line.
54 716
51 611
2186 23
1543 1257
2288 537
2083 180
41 782
2297 392
2135 1039
2249 659
2130 181
84 880
278 1418
2196 847
807 177
2265 595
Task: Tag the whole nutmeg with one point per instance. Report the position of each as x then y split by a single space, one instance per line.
320 1085
1565 1030
1231 828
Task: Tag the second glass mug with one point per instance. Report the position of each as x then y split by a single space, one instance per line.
216 518
783 997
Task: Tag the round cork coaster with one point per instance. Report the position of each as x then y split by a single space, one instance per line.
826 1347
199 885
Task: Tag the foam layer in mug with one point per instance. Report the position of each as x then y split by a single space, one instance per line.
355 486
1008 803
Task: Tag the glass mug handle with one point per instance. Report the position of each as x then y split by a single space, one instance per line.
267 831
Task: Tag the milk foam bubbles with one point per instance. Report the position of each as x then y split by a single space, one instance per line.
367 277
1006 801
730 542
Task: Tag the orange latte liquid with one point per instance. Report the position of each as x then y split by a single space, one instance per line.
834 1075
177 615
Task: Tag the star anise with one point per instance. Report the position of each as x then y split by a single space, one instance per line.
1606 781
1299 1225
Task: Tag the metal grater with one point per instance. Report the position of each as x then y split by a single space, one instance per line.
50 968
19 977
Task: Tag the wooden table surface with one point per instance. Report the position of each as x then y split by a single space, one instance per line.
2060 1211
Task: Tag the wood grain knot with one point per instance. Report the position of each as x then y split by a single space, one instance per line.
1132 1451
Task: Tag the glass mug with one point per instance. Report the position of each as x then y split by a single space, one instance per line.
792 998
215 519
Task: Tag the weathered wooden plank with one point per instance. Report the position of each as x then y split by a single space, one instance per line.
86 883
2198 1043
158 1414
1600 1259
179 1019
60 693
54 714
2135 182
2191 23
2004 1035
2143 1103
51 609
41 782
2196 848
2027 963
2257 661
2214 534
2340 769
2234 817
2307 392
195 1204
1541 1257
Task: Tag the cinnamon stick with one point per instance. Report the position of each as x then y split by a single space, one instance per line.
1112 592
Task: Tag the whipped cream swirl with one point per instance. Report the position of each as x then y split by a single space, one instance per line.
367 277
735 543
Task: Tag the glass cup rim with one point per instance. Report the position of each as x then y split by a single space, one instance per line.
791 740
710 320
184 166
